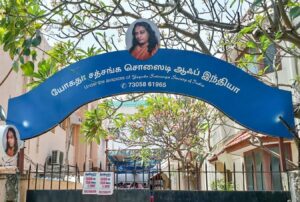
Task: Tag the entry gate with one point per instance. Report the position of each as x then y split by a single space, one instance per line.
56 184
159 196
169 71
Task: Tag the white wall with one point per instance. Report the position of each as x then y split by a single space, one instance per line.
39 148
13 86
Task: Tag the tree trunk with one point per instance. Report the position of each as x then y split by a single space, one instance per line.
68 142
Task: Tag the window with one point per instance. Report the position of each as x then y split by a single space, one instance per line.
275 164
263 169
259 64
254 171
249 172
269 58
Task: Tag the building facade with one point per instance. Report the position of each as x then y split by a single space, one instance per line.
62 144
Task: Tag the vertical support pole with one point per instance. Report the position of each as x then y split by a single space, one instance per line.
106 153
59 176
261 176
36 175
288 181
21 160
151 185
197 177
51 176
153 179
294 132
115 178
253 179
169 171
281 187
134 173
78 173
29 171
271 179
160 177
143 174
45 168
149 182
234 179
178 174
225 176
76 177
282 155
216 180
206 178
117 173
188 175
243 172
156 176
68 169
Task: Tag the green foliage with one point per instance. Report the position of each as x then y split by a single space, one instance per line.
247 30
256 3
61 55
92 126
28 68
64 53
260 34
221 186
294 12
164 123
21 23
46 68
19 31
168 123
91 51
147 154
256 49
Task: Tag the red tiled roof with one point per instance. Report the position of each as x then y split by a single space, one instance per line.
244 135
238 142
213 158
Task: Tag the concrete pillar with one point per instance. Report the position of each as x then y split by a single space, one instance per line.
9 184
294 177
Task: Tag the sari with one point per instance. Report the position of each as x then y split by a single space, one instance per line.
141 53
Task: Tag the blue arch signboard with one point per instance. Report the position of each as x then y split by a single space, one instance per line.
240 96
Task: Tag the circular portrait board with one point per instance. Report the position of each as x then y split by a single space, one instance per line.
10 140
142 39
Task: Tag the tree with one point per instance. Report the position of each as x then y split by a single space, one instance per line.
206 26
210 27
92 126
176 127
170 127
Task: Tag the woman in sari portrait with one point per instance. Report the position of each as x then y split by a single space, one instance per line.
11 142
144 41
